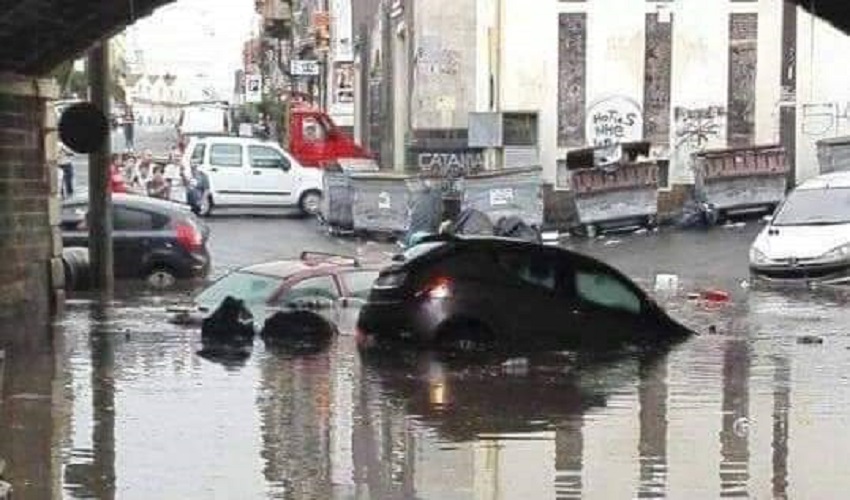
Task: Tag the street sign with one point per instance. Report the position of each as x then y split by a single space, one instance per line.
253 88
303 67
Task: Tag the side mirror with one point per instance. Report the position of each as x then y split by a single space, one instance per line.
285 165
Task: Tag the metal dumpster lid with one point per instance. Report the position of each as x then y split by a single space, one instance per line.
835 141
584 157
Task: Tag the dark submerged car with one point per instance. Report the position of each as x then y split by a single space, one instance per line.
154 240
476 293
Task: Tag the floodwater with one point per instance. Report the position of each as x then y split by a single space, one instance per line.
114 402
131 411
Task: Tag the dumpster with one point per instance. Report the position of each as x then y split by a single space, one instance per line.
338 198
504 193
615 193
741 179
381 201
834 154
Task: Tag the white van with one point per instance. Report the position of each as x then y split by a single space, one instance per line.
245 172
203 119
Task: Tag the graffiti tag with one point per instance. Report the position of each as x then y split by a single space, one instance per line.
614 121
696 128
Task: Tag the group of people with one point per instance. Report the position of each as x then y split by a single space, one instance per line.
142 175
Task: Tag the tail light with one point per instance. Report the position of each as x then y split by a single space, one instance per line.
440 288
189 237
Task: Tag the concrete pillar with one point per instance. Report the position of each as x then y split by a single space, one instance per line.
31 274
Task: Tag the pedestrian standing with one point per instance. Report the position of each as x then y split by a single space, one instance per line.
129 126
66 165
158 185
197 189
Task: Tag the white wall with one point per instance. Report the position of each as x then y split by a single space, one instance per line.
823 89
615 64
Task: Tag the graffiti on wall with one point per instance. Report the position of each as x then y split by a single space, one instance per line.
614 120
696 130
435 60
825 119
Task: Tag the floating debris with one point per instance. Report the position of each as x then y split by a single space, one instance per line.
810 340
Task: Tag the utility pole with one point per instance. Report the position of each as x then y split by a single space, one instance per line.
100 197
788 82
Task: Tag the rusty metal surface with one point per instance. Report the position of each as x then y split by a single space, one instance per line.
381 203
505 193
742 177
617 205
745 192
834 155
630 191
337 200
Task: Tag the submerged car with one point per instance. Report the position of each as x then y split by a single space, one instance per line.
808 238
154 240
333 285
474 293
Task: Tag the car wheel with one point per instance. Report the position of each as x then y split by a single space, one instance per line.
310 203
465 337
161 278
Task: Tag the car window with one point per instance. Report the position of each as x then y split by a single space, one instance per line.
606 290
226 155
530 268
265 157
359 283
815 207
126 219
198 154
253 289
323 287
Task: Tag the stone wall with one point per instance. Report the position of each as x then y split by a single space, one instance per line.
30 268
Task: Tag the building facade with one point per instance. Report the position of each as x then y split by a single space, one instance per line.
684 75
157 99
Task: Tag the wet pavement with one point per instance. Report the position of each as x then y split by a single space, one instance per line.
114 402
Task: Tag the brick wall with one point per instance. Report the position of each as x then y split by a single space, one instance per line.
30 272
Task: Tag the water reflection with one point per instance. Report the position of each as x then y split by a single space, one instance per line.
131 411
95 476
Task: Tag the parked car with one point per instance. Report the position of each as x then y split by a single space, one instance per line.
808 238
154 240
482 293
245 172
335 286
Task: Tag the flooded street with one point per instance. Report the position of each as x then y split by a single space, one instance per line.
130 410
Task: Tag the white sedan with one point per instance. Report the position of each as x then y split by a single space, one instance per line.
808 239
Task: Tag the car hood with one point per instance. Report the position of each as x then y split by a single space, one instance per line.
801 242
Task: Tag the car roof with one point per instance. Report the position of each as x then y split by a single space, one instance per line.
502 243
245 141
137 201
835 180
287 268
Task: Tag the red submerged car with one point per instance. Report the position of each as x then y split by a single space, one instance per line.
333 285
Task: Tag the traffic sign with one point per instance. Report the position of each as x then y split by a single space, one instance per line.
304 67
253 88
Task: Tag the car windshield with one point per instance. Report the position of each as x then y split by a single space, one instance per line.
254 289
419 250
813 207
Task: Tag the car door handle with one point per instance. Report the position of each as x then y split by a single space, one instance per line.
258 172
213 170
